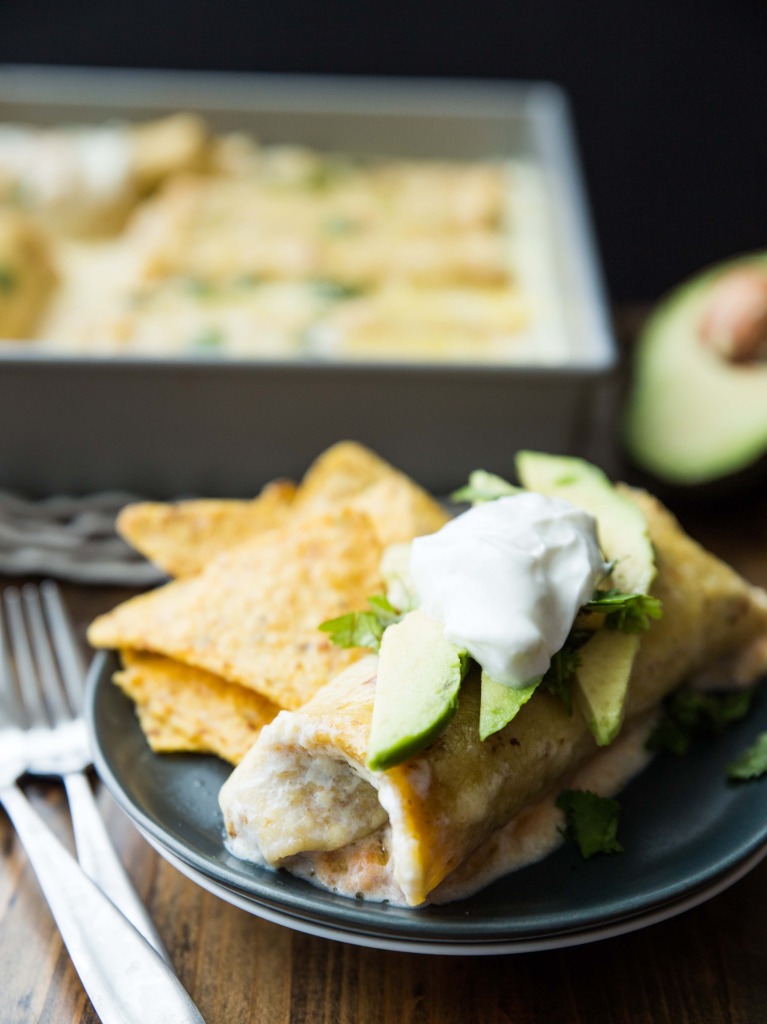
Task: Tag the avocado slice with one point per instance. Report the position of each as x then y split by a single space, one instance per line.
499 704
601 681
694 417
621 525
419 676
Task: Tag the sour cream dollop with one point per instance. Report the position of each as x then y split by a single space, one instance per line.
506 579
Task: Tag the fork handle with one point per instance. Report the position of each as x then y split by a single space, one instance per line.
126 980
100 862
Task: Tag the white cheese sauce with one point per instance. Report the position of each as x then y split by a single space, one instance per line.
68 165
368 866
507 578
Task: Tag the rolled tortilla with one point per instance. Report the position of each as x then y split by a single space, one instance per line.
302 798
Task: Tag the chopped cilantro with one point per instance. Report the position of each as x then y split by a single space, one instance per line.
559 685
335 291
198 287
384 609
629 613
669 735
557 679
355 629
362 629
591 821
340 226
690 713
207 338
752 762
327 173
7 280
484 486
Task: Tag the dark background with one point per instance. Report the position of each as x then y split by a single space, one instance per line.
670 98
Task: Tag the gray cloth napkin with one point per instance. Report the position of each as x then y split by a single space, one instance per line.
70 539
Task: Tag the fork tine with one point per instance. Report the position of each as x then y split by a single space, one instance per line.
68 653
47 673
22 657
11 711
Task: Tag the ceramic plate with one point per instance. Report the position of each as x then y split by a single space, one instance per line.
683 827
448 948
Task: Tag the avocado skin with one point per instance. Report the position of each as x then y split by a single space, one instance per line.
691 464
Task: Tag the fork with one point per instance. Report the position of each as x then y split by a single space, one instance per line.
50 676
126 979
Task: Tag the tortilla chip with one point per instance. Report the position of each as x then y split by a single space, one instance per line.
252 614
187 709
399 509
182 537
350 475
342 471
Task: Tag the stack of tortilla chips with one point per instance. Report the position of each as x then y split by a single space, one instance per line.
211 657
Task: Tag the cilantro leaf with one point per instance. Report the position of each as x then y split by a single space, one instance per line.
591 821
340 226
752 762
629 613
336 291
691 713
198 287
207 339
557 683
362 629
384 610
557 679
669 735
484 486
355 629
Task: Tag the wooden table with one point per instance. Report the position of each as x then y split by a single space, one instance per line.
708 966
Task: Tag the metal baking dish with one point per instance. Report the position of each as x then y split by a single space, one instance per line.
193 425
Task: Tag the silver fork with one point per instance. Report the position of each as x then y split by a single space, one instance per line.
51 675
126 979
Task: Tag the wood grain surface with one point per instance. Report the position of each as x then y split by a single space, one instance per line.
707 966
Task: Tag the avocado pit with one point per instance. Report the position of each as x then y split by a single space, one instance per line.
733 323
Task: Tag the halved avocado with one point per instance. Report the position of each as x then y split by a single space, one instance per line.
694 416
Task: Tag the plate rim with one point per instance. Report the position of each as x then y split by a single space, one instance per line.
563 940
299 906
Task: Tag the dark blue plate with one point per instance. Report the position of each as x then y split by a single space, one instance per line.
683 825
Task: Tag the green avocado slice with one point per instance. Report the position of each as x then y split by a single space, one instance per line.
621 525
499 704
419 676
692 416
601 680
